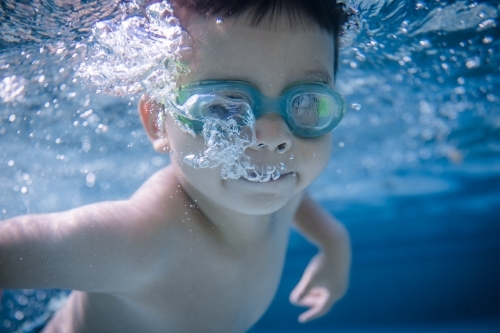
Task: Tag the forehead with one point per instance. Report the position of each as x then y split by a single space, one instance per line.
268 57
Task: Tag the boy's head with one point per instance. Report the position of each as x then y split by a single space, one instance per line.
298 14
271 47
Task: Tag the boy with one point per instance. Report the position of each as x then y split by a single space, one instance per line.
192 251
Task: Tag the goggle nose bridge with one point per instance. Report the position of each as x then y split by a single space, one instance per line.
263 104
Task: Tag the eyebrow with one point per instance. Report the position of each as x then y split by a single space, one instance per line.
317 75
222 77
312 76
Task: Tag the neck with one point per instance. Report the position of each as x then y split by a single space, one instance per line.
232 226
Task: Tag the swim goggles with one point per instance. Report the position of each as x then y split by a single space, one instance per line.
309 109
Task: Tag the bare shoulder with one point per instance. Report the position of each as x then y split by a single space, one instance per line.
98 247
157 188
149 212
158 197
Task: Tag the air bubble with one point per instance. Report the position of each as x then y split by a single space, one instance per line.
425 43
360 56
157 161
356 106
22 300
19 315
86 145
137 54
226 141
90 179
487 40
40 295
487 24
459 90
472 63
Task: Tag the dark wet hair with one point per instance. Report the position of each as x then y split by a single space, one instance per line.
327 14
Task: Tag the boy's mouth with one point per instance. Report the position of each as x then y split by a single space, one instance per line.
254 179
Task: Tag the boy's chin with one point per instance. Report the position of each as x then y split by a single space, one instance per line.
259 208
257 202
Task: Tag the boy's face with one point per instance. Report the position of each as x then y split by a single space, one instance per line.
271 60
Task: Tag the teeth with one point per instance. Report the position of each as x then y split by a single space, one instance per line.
267 179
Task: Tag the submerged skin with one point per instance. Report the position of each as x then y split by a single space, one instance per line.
190 251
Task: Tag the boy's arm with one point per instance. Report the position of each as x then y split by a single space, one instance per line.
326 278
87 248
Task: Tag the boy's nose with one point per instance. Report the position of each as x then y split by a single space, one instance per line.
272 133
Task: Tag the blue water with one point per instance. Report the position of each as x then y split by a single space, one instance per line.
415 175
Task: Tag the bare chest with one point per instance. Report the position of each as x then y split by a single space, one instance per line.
196 286
226 288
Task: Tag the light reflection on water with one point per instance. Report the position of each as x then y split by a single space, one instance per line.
423 79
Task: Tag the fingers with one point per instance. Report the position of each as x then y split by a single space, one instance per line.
299 291
302 287
318 299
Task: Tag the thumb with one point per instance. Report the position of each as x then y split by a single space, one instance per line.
299 291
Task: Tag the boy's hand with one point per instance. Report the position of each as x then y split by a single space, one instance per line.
324 282
326 278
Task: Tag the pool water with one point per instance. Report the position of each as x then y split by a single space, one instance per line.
415 175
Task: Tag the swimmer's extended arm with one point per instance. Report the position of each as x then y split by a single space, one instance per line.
326 278
88 248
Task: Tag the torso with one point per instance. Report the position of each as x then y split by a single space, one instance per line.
191 280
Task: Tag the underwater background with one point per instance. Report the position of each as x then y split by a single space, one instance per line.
415 175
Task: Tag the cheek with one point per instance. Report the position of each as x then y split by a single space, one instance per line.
326 150
318 149
315 154
181 143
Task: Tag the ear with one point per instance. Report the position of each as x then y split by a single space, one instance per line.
149 111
